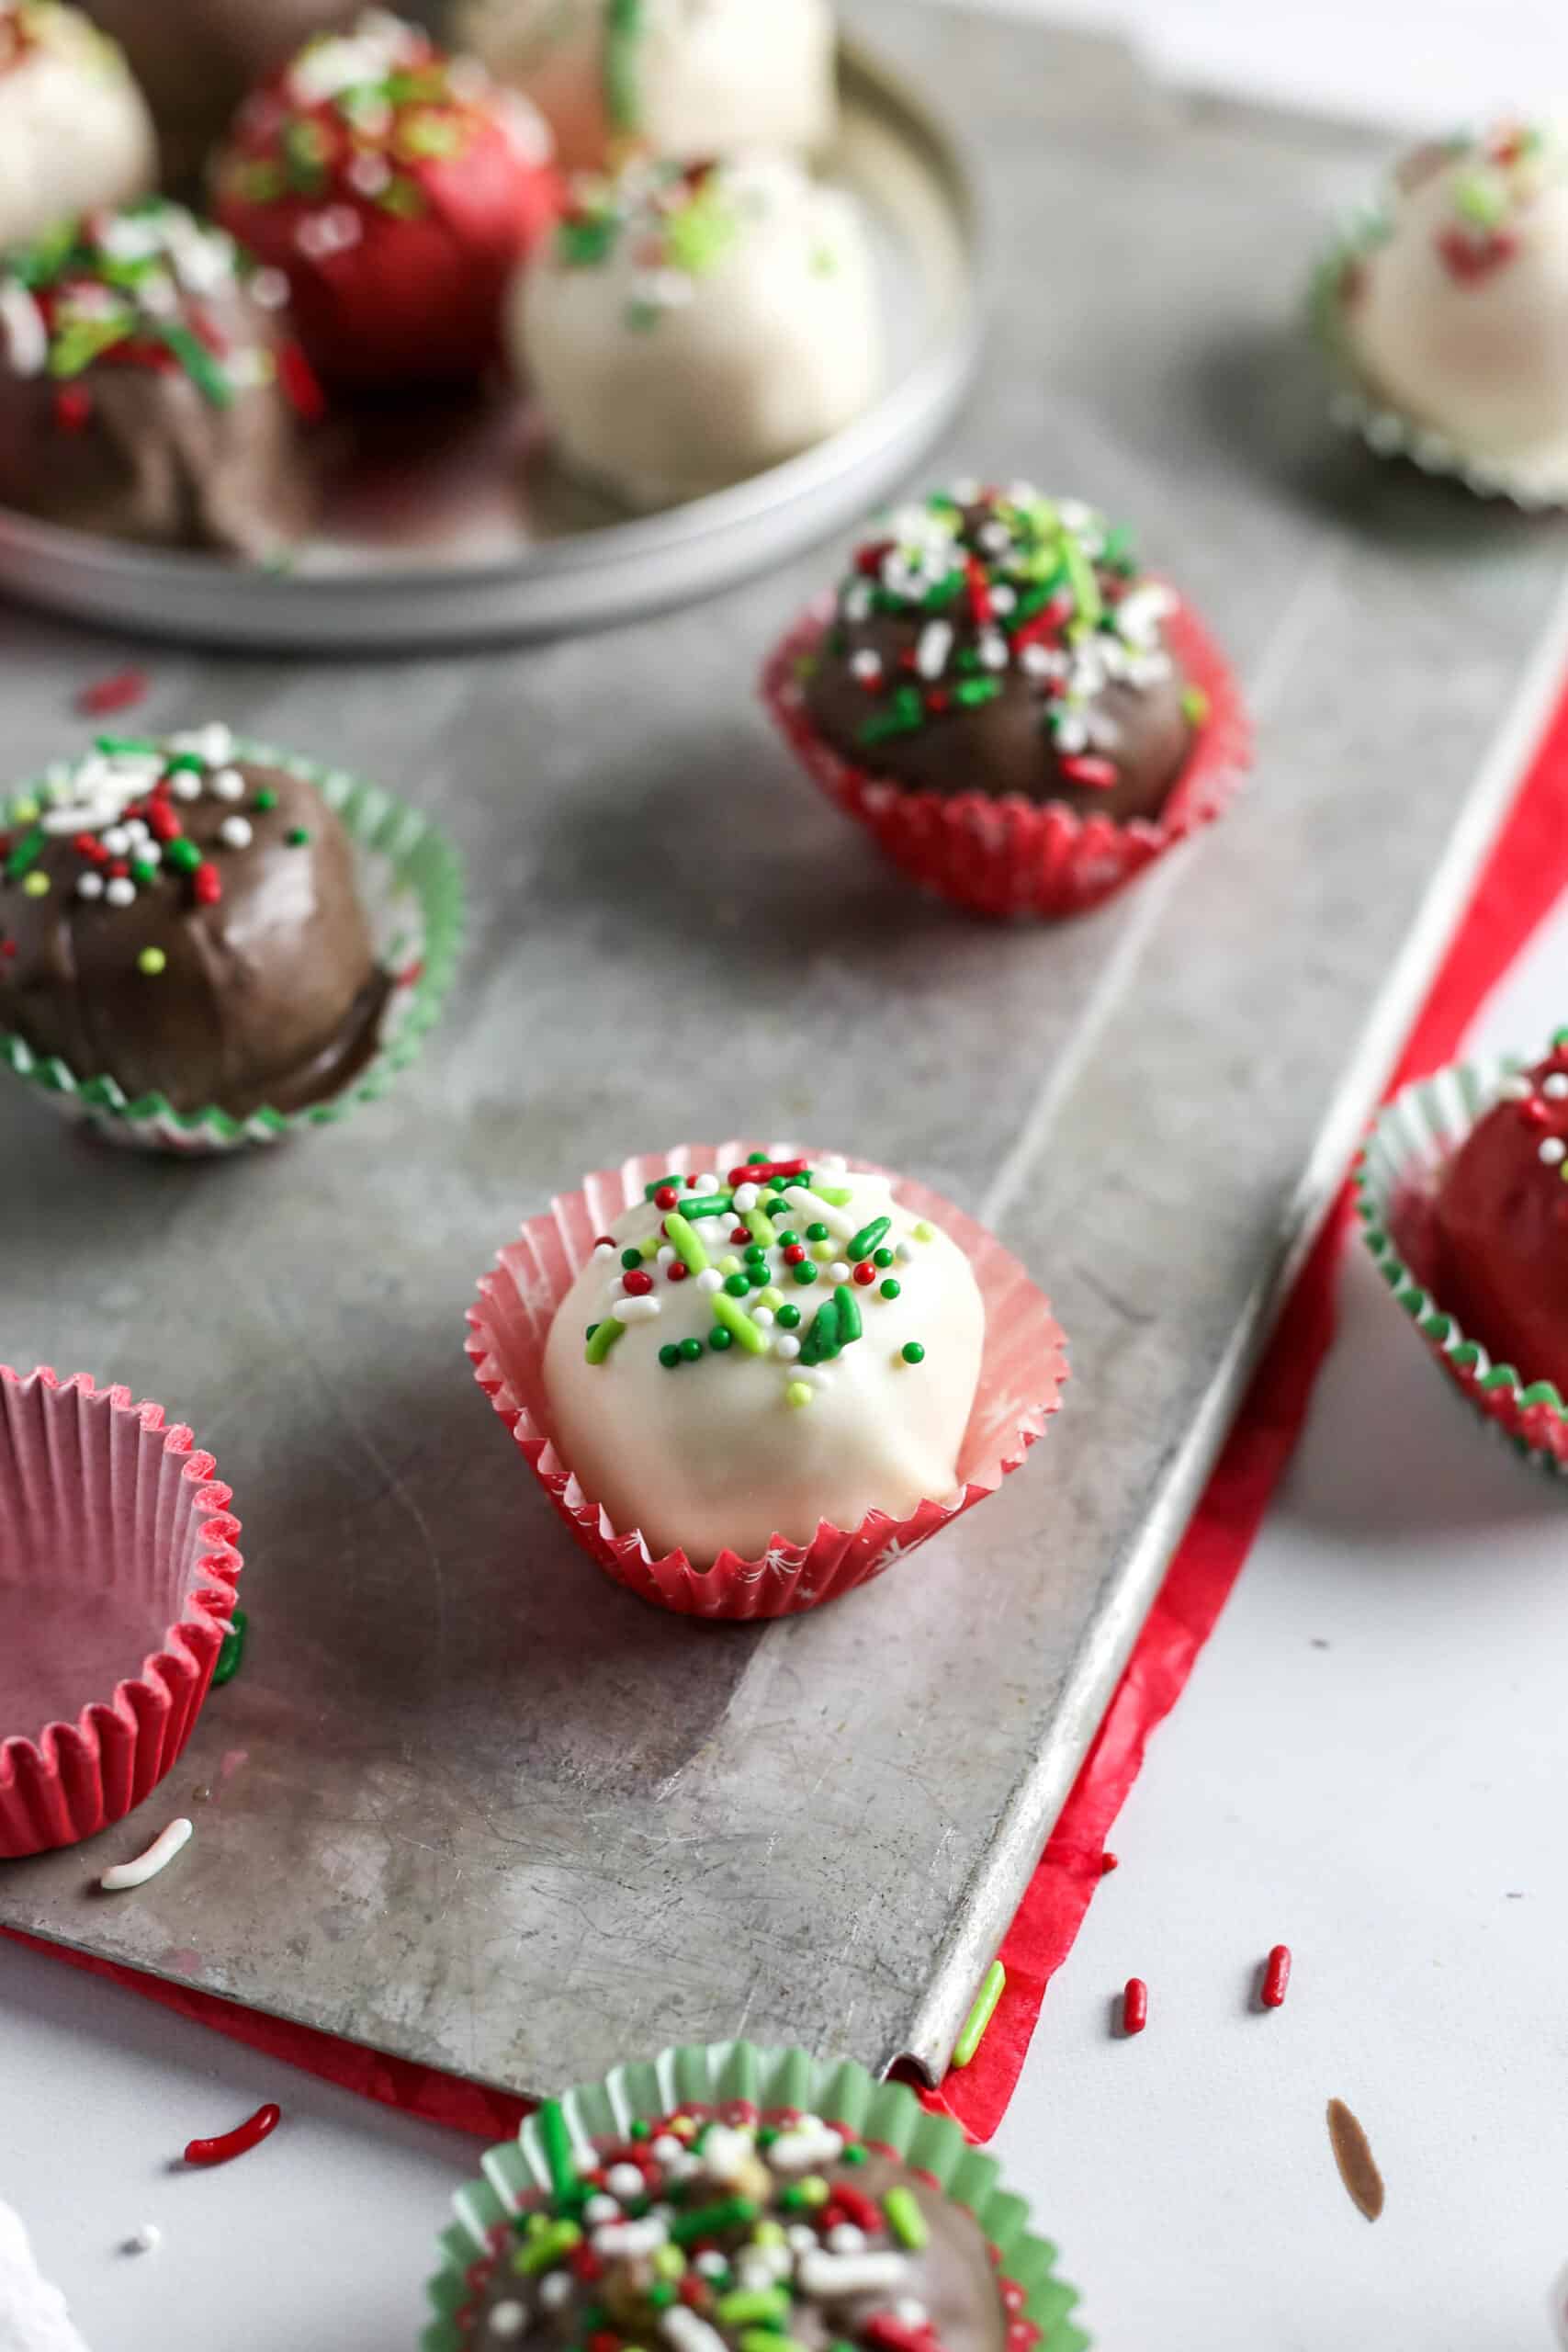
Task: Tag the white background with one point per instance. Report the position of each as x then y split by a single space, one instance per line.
1370 1764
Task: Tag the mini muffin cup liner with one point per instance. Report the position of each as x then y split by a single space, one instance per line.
1535 481
1011 856
104 1504
738 2080
1022 1368
1397 1181
410 880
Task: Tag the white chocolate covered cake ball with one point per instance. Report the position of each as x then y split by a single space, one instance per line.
757 1349
1457 315
681 78
689 326
75 135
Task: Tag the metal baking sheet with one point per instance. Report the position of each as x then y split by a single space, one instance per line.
471 1803
447 523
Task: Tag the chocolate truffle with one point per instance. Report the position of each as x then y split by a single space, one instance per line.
677 78
688 327
702 2235
996 642
1455 313
146 391
74 130
1500 1226
740 1360
396 189
184 920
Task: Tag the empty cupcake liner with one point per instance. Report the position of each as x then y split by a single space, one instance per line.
737 2081
1021 1372
117 1574
411 878
1396 1179
1013 856
1536 482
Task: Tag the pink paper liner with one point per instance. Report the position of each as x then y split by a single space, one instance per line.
1013 856
1023 1365
91 1483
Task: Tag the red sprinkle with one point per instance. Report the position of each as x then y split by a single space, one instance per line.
739 1233
667 1197
636 1283
890 2334
585 2264
980 607
601 1240
73 408
1084 768
1108 1862
123 691
756 1171
865 1273
1134 2005
205 883
678 1271
796 1254
1277 1977
238 2143
300 387
861 2209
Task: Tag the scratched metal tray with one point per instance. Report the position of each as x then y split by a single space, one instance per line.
448 522
467 1801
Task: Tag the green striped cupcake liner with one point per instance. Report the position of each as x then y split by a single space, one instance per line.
709 2077
1396 1173
410 880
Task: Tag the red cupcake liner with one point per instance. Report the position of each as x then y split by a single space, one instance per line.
114 1534
1013 856
1023 1365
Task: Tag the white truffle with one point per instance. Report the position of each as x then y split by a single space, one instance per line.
694 78
714 1452
1458 317
686 329
75 135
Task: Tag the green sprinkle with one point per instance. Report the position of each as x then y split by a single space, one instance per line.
670 1356
737 1285
661 2294
143 870
296 836
707 2220
803 1274
854 2153
738 1324
1482 198
904 2217
801 2196
1085 586
640 2130
182 855
789 1240
980 2016
233 1651
604 1336
669 2262
1194 705
705 1205
761 2304
265 797
924 1232
797 1394
205 372
25 811
971 692
755 1253
25 852
912 1351
824 1339
771 1297
761 1228
838 1196
555 2137
152 961
849 1326
685 1244
762 2339
789 1315
816 1233
631 1260
691 1350
553 2243
868 1237
889 1289
36 886
904 715
882 1257
757 1277
719 1338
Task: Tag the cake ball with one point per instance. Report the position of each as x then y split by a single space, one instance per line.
195 60
690 325
996 642
678 78
1500 1226
780 1345
74 129
147 389
184 920
706 2235
396 189
1455 313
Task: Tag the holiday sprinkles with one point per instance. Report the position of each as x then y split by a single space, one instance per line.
738 2231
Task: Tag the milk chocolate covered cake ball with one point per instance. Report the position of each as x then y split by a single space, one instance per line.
195 60
146 390
184 920
996 642
689 326
1457 314
74 129
744 1357
1501 1226
396 189
678 78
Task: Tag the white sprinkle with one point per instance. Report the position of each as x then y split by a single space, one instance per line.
370 174
746 1198
727 2153
601 2209
163 1848
993 650
707 1181
711 2265
865 665
905 1250
186 786
935 646
213 744
994 538
626 2181
710 1279
667 2148
1555 1087
844 2238
146 2240
857 601
635 1310
604 1250
507 2321
631 2240
229 785
837 1271
121 891
808 2143
1552 1151
666 1255
90 886
1071 732
117 841
911 2311
1515 1089
270 288
26 337
235 833
786 1346
762 1317
688 2333
1003 598
554 2289
830 2275
809 1204
801 2238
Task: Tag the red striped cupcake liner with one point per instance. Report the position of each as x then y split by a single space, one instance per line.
117 1553
1011 856
1023 1365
